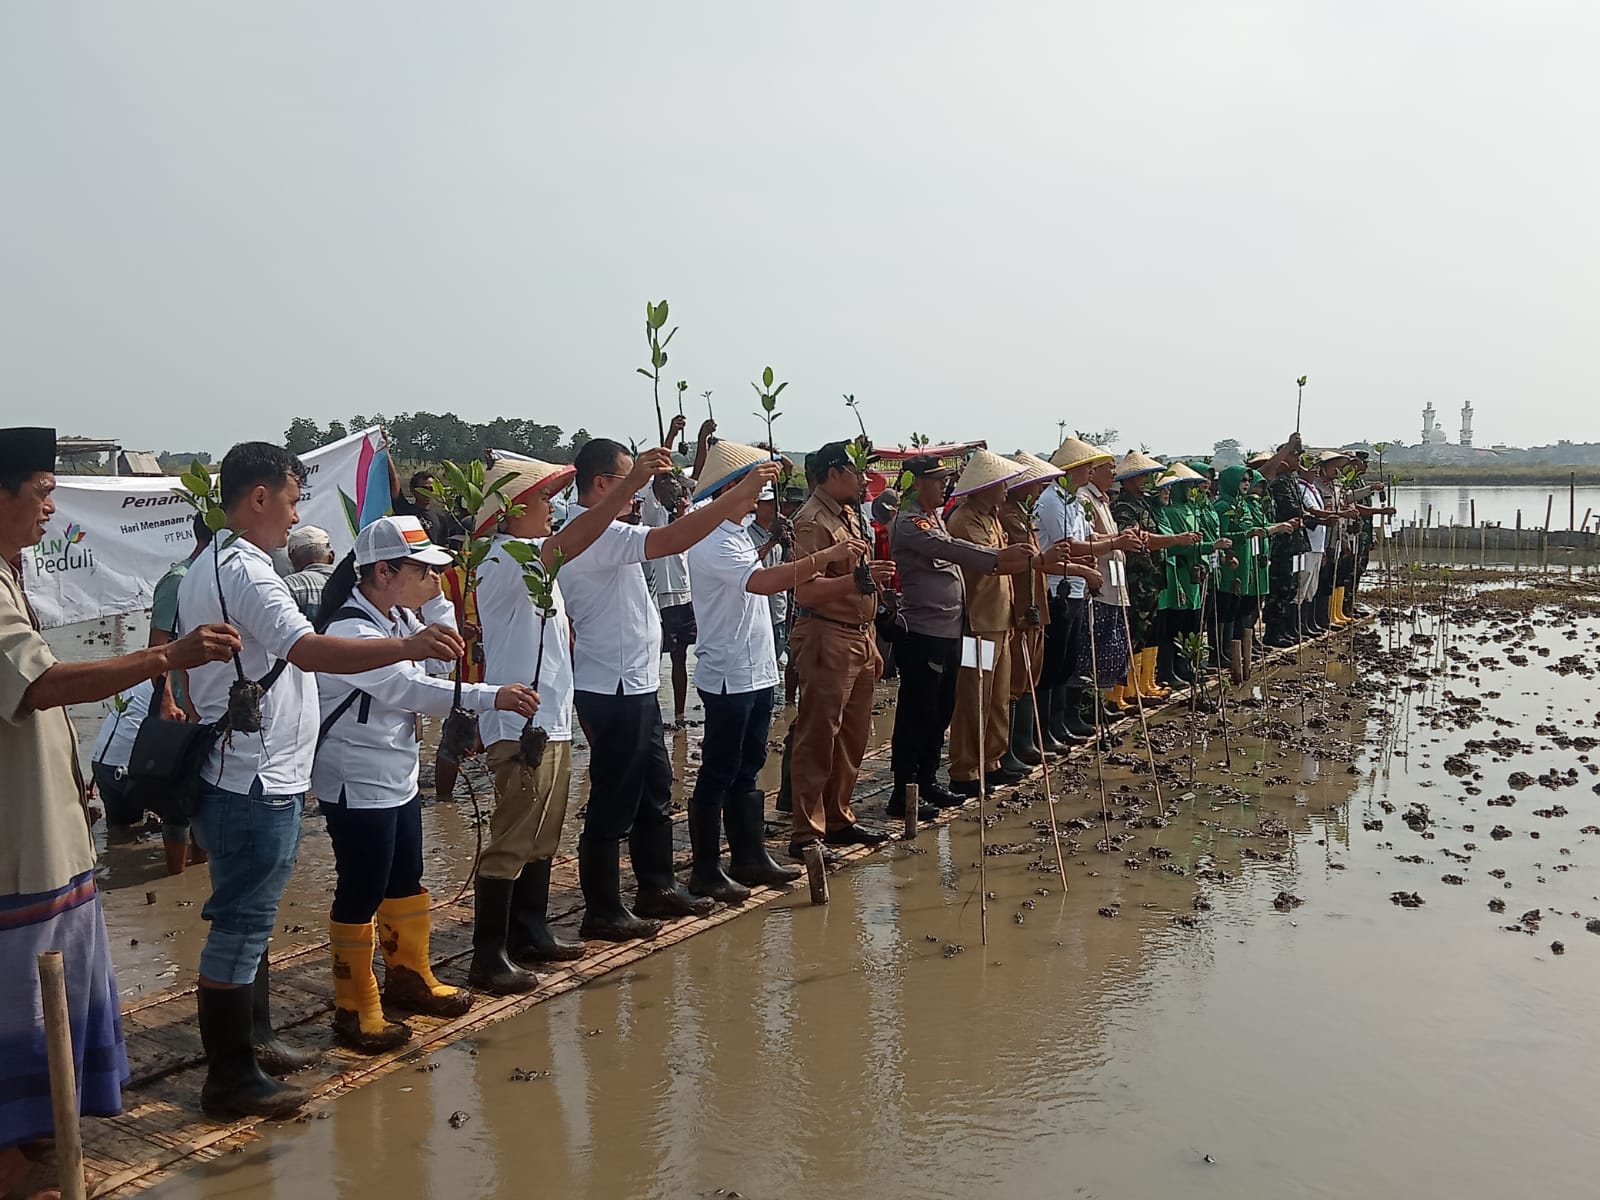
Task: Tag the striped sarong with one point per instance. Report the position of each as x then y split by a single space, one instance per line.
69 920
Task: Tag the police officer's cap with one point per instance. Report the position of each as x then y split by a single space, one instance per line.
928 466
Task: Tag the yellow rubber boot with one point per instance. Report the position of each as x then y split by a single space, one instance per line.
1147 676
1344 611
1115 702
1132 695
1336 608
409 984
358 1019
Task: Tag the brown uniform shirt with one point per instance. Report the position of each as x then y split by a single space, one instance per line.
823 522
1017 524
989 597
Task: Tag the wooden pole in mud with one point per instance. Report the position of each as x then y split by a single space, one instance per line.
1572 502
1144 725
1474 507
1099 733
63 1075
1548 505
913 802
1044 761
816 873
983 796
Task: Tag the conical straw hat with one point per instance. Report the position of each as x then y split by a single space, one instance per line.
528 475
983 469
1075 452
1034 469
726 462
1134 463
1180 472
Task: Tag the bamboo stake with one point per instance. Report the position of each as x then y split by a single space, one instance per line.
913 801
1099 734
63 1075
983 796
1044 759
1144 725
816 873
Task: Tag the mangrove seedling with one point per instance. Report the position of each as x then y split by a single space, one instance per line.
1300 385
540 580
683 386
200 491
655 319
854 406
769 403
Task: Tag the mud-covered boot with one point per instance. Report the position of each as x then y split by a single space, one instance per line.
492 970
529 938
706 877
749 861
273 1054
409 984
605 917
358 1020
235 1084
660 895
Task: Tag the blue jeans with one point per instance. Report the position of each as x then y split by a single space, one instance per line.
252 841
734 748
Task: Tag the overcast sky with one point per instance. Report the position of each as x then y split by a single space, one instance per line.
981 219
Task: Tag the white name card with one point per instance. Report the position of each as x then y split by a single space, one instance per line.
972 647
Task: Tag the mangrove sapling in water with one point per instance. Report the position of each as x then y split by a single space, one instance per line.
769 403
200 492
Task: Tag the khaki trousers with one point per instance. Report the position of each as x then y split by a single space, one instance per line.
837 665
529 807
966 762
1034 638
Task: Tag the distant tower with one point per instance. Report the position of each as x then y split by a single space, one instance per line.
1466 424
1427 424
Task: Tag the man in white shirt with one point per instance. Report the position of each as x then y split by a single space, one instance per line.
112 749
616 675
511 930
736 674
767 535
252 789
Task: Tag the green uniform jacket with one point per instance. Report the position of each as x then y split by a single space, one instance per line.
1184 563
1236 517
1261 563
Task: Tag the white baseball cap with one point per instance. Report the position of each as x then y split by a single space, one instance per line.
303 536
390 538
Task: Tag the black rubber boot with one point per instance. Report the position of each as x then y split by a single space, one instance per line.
1073 721
273 1055
605 917
1057 707
235 1085
1015 758
492 970
1047 722
1166 665
528 935
897 805
706 877
1024 733
749 861
660 895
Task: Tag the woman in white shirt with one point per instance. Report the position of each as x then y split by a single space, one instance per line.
365 779
736 674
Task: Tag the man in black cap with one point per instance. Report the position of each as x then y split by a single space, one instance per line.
933 599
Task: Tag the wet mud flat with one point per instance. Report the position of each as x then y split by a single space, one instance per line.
1289 976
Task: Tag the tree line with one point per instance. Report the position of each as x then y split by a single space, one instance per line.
425 437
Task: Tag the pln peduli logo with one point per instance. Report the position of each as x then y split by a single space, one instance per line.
68 552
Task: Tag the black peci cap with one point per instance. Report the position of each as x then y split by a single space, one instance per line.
27 450
833 454
928 466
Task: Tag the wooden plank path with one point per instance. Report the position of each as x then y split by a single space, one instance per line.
161 1130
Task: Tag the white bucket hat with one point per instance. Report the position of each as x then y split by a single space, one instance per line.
984 469
391 538
528 475
727 462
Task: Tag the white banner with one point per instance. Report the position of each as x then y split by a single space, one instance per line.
113 538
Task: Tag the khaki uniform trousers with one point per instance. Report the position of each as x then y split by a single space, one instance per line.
1034 639
966 763
838 665
529 807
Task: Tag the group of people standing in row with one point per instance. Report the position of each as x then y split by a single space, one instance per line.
1085 574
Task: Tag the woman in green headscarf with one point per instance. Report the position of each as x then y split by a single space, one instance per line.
1137 506
1180 604
1238 583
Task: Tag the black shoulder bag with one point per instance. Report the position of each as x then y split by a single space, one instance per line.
163 773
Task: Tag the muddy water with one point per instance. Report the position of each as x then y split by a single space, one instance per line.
1225 1003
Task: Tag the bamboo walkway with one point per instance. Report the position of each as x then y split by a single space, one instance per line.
161 1130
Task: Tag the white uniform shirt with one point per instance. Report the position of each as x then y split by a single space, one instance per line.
667 576
269 622
1060 518
1311 497
114 746
734 652
371 750
615 626
511 631
778 602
